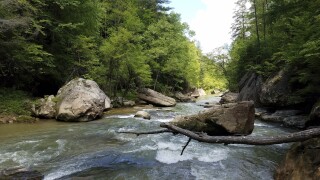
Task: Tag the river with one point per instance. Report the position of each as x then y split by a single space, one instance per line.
95 149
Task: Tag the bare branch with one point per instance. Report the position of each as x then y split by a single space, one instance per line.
184 147
249 140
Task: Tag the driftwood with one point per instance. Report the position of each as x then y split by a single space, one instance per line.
249 140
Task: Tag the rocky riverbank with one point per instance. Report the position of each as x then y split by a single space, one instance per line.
278 103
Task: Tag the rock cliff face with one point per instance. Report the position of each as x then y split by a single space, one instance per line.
301 162
275 91
80 100
156 98
228 119
250 88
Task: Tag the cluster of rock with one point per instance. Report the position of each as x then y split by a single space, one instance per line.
290 118
82 100
274 92
78 100
302 160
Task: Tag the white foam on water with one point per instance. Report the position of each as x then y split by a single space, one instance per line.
169 146
260 124
61 146
206 172
142 148
170 157
213 156
169 152
121 116
64 171
22 143
18 157
163 120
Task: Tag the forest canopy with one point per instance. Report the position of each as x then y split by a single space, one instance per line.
274 35
122 45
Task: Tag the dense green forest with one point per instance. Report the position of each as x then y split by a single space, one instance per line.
125 45
273 35
122 45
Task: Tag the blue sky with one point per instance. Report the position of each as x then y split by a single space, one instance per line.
210 19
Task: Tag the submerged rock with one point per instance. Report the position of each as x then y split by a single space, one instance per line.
229 97
143 114
20 173
45 108
235 118
156 98
301 162
81 100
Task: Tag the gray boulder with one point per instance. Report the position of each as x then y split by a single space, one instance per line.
129 103
198 92
276 91
250 88
143 114
45 108
229 97
107 103
290 118
296 121
314 117
156 98
80 100
228 119
182 98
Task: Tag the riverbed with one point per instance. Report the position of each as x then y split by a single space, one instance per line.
97 151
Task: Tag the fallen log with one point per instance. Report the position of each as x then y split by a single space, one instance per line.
248 140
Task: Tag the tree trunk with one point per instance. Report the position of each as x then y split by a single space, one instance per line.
256 22
249 140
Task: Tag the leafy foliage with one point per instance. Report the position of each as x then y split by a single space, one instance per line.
123 45
282 34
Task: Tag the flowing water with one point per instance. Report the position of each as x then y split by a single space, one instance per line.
95 150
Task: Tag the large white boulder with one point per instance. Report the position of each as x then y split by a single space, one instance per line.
81 100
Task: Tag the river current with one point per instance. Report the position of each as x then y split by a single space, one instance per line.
96 151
